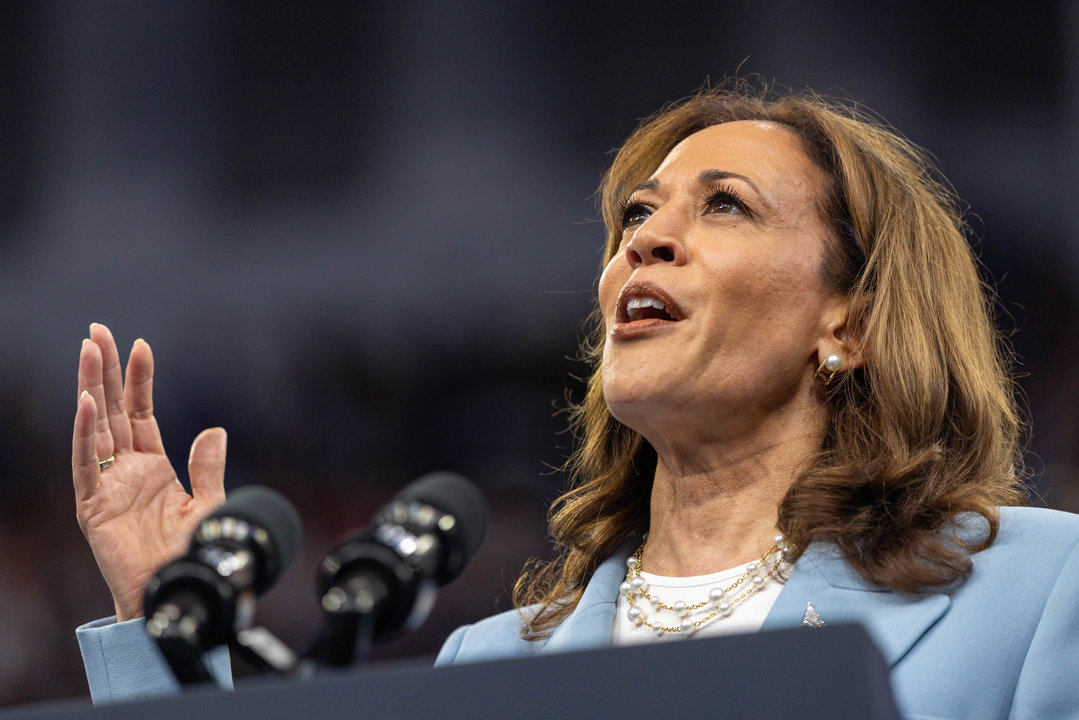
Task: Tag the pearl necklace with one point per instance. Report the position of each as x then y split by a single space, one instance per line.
719 604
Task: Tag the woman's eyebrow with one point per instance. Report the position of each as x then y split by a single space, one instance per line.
707 177
650 184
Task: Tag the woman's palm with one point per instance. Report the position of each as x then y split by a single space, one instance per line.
134 513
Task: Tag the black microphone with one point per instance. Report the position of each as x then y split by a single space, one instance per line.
208 596
382 582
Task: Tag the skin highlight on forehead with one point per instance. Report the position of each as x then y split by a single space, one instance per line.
767 156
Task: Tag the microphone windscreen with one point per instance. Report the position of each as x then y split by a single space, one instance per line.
456 496
271 511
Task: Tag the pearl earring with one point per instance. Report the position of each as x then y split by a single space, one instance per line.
828 369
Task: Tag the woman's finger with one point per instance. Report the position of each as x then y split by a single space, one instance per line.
90 380
206 465
113 383
139 399
84 460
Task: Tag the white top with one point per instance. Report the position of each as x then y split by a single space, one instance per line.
746 616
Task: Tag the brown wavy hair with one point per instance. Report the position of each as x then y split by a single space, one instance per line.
929 429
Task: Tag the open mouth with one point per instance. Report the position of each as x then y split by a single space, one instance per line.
644 301
647 308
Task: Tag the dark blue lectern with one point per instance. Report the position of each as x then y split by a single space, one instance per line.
829 673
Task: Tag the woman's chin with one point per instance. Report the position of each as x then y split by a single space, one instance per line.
643 412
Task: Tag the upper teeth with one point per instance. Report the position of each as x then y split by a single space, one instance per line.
640 303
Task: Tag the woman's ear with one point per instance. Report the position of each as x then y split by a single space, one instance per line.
838 339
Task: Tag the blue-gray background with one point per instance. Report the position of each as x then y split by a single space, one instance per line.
362 237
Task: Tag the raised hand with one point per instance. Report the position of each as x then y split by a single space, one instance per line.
130 504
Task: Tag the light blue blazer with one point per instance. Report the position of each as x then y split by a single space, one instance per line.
1003 644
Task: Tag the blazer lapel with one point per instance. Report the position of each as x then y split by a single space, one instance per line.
895 620
591 624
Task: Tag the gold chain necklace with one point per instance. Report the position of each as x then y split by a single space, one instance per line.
720 602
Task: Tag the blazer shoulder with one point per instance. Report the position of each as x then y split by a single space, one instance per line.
1026 525
1032 545
493 638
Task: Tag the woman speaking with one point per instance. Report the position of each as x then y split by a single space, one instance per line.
800 413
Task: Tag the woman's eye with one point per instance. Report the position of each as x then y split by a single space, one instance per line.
726 203
634 214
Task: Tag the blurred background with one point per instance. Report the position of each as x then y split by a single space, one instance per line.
362 237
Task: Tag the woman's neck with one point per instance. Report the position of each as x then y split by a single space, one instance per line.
718 509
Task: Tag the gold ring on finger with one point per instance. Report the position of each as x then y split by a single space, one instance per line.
107 462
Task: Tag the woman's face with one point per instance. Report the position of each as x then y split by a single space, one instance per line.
713 304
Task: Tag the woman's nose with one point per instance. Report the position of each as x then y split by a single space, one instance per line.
657 240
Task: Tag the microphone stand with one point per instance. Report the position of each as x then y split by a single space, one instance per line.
264 651
348 625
